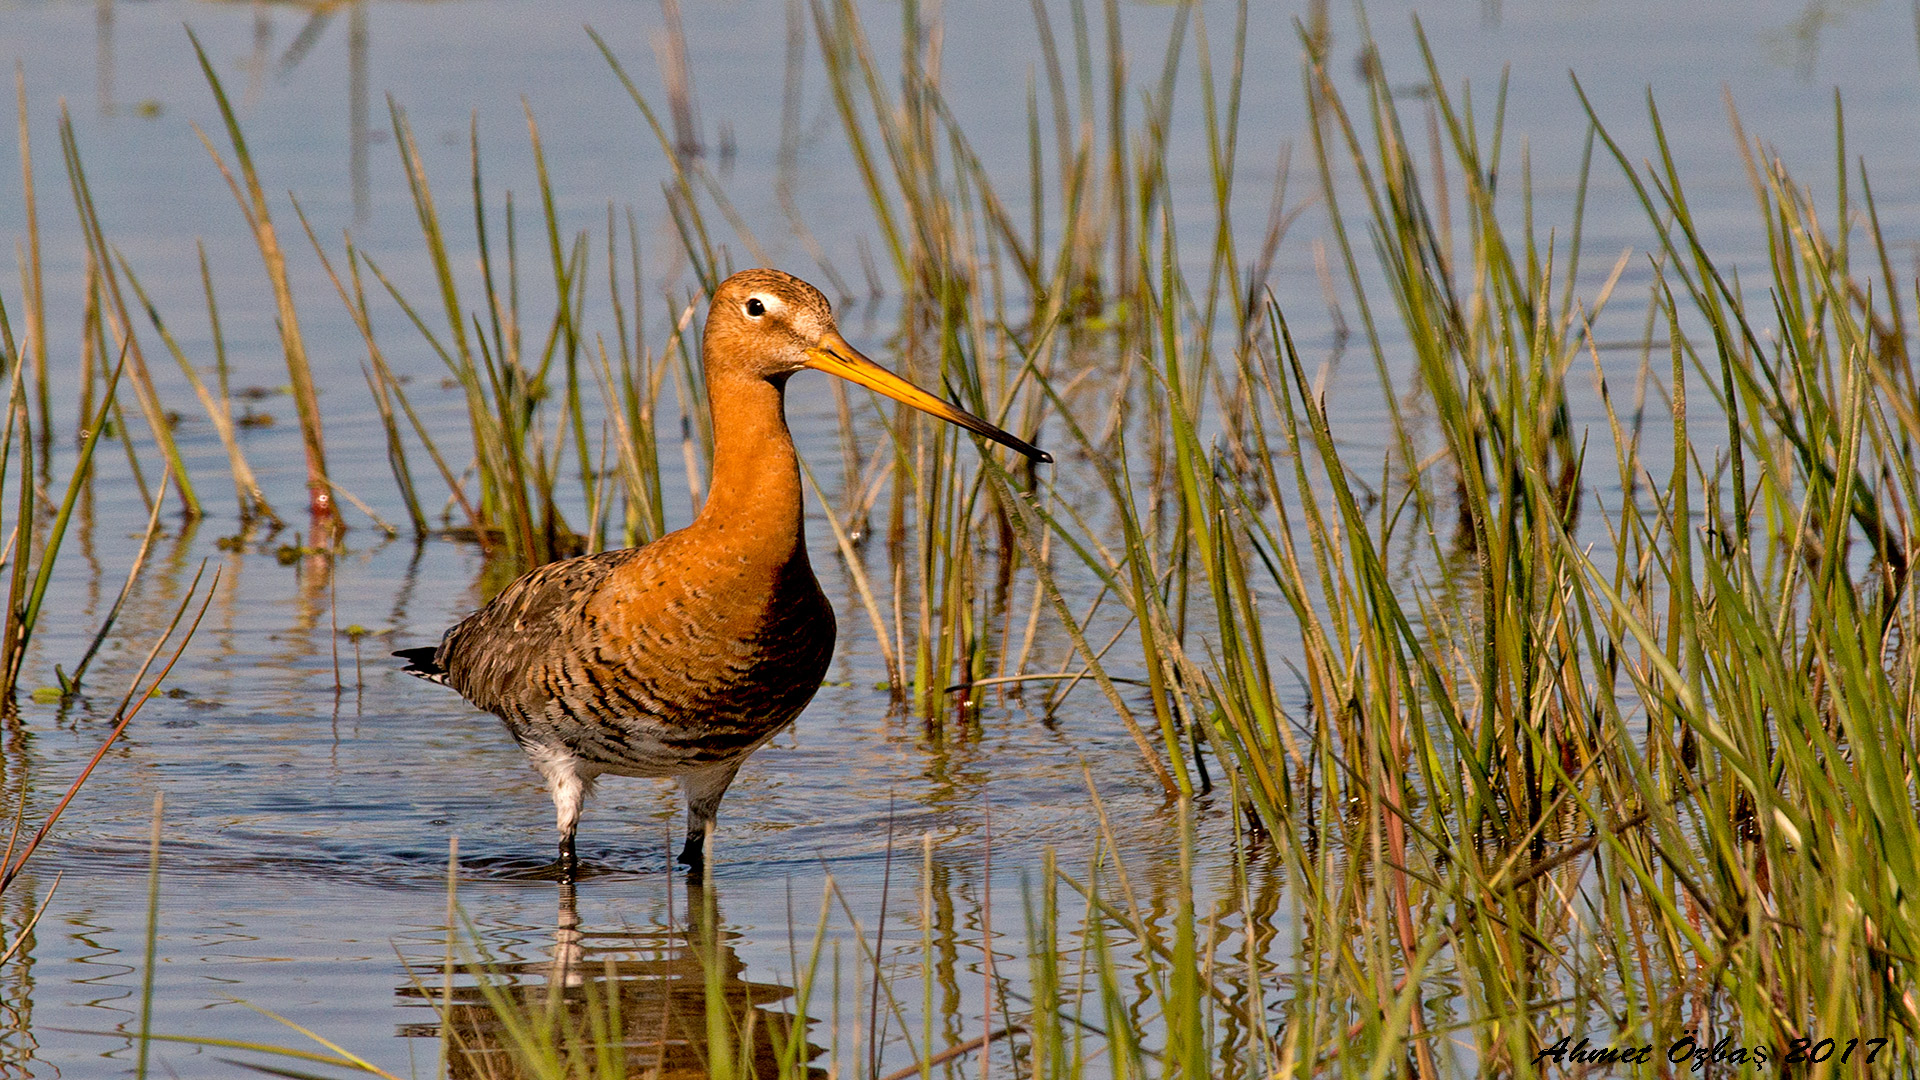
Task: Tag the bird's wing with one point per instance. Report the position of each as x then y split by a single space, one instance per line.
491 655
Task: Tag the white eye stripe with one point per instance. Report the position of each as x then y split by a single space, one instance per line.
759 305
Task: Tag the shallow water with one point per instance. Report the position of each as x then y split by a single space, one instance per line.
308 814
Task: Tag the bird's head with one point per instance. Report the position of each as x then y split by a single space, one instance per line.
768 324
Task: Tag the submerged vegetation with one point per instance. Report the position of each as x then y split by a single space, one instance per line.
1579 703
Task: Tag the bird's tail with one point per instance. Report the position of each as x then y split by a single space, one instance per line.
421 663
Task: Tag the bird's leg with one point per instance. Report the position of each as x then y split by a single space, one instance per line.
704 790
694 854
570 785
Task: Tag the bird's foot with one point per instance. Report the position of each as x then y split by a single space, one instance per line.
694 856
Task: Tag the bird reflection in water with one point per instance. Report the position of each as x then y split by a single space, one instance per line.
642 991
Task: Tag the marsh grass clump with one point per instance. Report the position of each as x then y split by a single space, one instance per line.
1513 677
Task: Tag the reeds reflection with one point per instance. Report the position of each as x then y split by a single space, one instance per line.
644 994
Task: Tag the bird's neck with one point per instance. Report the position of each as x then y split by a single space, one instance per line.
754 500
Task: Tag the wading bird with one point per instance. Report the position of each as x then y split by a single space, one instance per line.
682 657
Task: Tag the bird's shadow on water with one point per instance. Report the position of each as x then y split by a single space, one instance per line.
606 862
522 865
658 983
616 864
235 853
352 864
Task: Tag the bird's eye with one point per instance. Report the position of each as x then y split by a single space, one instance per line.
755 308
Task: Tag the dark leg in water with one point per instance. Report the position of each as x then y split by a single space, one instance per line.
703 790
694 854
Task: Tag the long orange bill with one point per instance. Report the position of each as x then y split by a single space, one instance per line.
834 356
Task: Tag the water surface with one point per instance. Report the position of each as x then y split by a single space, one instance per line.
310 801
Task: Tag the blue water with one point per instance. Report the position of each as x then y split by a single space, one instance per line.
309 807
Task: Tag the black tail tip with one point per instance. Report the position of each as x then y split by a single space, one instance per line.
420 662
